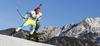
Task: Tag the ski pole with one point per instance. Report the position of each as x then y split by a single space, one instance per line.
19 13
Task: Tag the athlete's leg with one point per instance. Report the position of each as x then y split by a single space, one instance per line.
23 25
33 29
33 23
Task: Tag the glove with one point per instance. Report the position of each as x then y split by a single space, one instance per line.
37 21
23 19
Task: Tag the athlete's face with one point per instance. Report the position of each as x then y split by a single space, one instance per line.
37 11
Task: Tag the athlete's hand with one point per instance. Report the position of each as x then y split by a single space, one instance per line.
23 19
37 21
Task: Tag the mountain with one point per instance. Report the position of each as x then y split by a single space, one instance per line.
87 25
73 30
81 34
70 41
49 32
86 31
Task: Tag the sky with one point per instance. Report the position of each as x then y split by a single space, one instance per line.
56 13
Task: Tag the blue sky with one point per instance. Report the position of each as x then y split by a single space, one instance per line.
56 13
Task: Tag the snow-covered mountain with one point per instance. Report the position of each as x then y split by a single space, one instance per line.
72 30
87 25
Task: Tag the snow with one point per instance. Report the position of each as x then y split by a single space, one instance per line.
13 41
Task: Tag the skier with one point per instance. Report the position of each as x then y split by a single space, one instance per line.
34 18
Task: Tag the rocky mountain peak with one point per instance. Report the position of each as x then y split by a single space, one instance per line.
93 22
49 28
74 30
